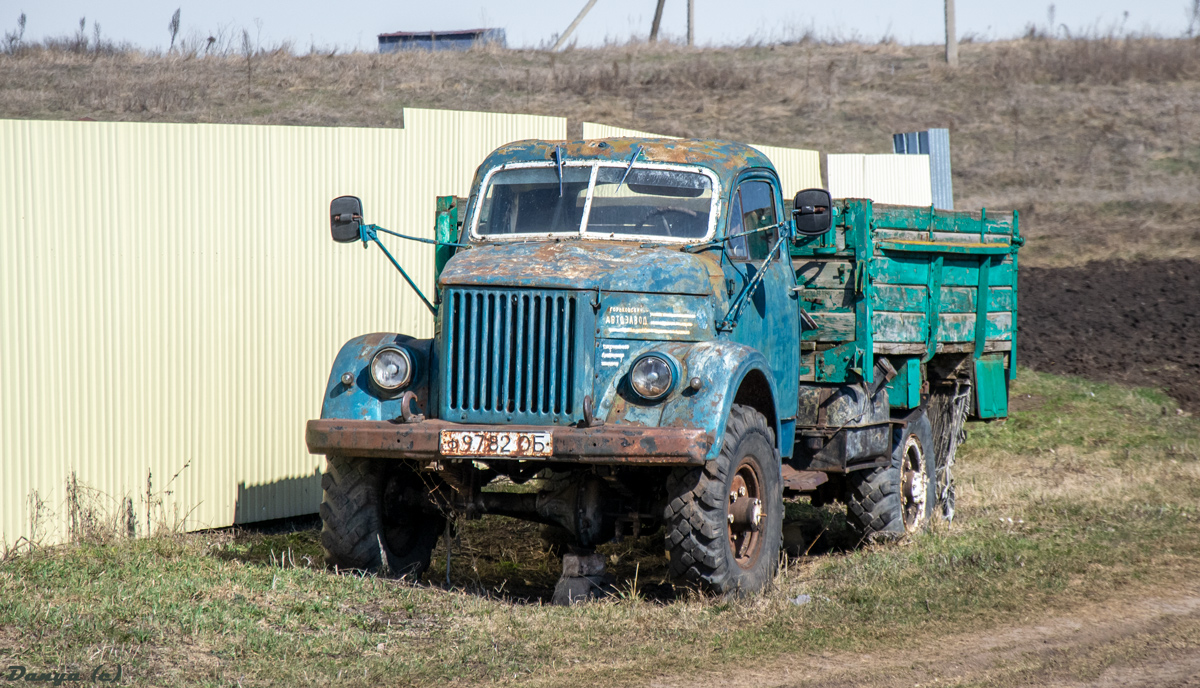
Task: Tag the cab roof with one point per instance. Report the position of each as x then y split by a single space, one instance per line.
725 158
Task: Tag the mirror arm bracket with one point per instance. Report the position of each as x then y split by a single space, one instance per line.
370 233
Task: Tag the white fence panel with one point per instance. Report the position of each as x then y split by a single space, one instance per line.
895 179
798 168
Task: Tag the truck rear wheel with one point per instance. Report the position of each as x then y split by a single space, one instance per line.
373 517
723 522
888 502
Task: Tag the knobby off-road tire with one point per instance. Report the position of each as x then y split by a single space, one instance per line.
889 502
705 548
373 517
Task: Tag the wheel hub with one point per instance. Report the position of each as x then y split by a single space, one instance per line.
745 514
913 485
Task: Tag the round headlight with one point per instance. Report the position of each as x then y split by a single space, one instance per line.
652 377
391 369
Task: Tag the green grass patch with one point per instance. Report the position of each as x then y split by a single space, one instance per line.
1087 491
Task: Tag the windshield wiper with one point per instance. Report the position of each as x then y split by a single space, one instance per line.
558 164
632 159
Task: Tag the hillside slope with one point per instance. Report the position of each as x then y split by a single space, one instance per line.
1096 141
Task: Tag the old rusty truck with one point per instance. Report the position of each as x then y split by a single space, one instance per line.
644 335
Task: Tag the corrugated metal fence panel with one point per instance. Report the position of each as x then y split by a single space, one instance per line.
798 168
170 303
896 179
591 130
846 175
939 169
936 144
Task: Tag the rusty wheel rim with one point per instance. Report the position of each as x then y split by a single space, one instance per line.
745 514
914 482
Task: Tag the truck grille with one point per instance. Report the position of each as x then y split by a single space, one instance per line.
514 356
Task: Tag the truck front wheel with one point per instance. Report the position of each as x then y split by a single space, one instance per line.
723 521
888 502
373 517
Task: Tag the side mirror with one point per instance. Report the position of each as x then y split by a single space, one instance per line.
345 217
813 212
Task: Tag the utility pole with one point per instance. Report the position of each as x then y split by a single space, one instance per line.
691 23
951 36
657 21
570 29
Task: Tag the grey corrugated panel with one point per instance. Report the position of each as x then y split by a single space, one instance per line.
940 169
936 144
169 297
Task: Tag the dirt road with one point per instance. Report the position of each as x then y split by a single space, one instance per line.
1140 642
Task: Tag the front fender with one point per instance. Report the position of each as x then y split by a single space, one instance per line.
360 400
721 365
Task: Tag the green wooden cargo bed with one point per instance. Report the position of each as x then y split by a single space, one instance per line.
910 284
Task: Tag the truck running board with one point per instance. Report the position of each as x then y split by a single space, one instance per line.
802 481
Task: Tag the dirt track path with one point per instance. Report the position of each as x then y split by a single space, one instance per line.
1144 642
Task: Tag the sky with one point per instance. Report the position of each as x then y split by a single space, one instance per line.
353 24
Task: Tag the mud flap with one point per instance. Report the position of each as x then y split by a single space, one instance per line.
991 386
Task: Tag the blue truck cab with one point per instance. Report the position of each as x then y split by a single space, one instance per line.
647 334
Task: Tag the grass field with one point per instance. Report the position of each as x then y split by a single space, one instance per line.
1079 518
1094 140
1087 495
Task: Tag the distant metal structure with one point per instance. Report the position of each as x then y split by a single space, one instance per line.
441 40
571 29
936 144
658 10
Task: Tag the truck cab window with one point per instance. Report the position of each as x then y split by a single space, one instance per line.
528 201
753 208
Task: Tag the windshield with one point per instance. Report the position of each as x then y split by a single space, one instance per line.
652 202
527 201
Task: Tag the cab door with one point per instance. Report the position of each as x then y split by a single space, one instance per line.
769 319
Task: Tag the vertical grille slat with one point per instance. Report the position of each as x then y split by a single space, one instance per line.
568 352
552 350
539 380
512 356
468 344
458 341
522 358
497 340
485 330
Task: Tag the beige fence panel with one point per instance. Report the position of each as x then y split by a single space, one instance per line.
170 303
591 130
798 168
897 179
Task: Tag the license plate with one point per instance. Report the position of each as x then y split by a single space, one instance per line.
495 443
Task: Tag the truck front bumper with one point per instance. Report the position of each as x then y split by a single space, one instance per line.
607 444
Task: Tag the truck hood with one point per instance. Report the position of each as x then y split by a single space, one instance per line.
605 265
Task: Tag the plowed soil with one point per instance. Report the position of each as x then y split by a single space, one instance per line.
1137 323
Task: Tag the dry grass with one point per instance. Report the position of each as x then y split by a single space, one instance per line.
1094 140
1086 496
